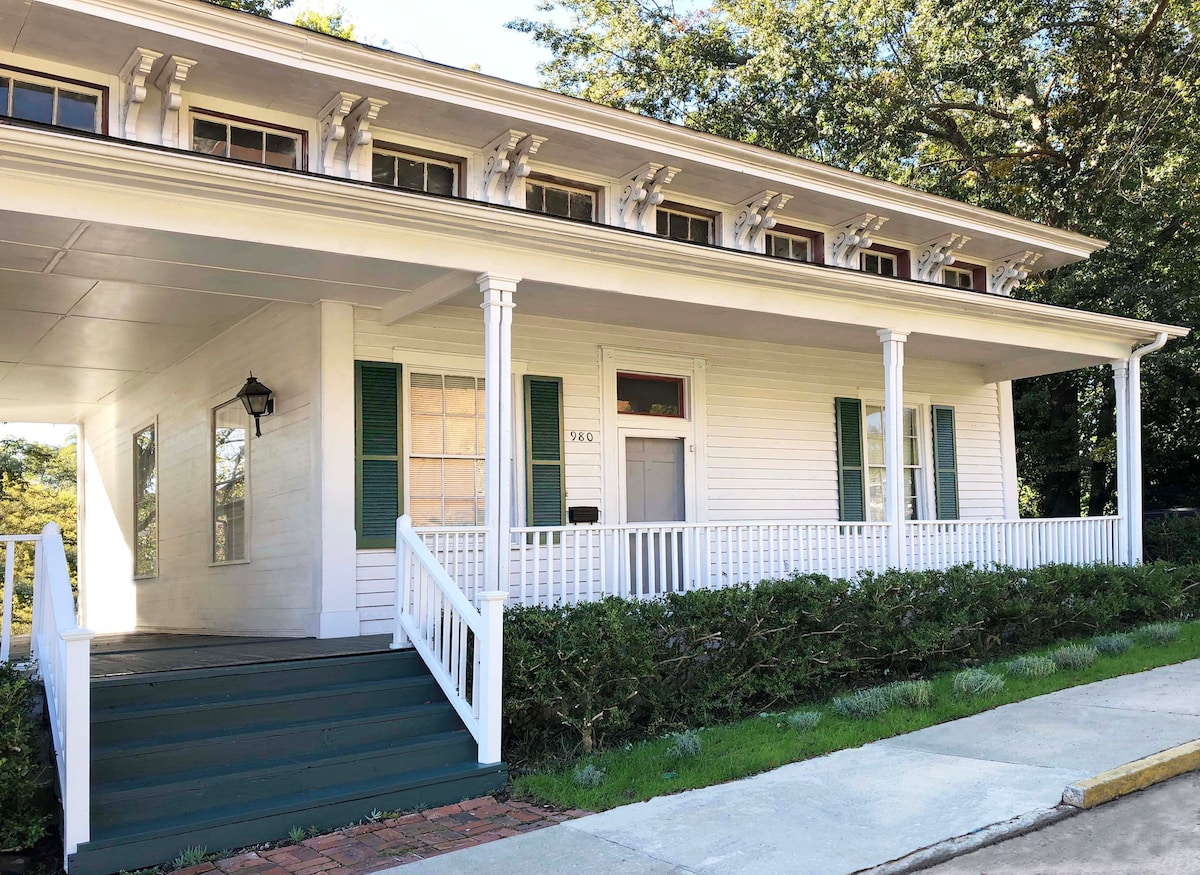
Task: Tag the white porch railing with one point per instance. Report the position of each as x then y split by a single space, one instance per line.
463 647
62 649
10 543
1017 543
460 553
585 563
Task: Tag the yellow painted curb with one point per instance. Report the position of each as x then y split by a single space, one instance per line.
1134 776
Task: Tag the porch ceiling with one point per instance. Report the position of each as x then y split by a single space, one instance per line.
88 310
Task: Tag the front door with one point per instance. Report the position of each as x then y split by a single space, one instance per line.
654 493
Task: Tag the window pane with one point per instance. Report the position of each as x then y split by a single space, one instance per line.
887 265
4 89
410 174
535 197
208 137
583 206
245 144
460 436
383 169
558 202
662 222
425 512
77 111
701 230
229 482
460 512
426 393
679 226
645 395
282 152
440 179
460 395
427 434
425 476
33 102
910 493
459 479
870 263
145 500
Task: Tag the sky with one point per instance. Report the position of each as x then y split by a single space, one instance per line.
455 32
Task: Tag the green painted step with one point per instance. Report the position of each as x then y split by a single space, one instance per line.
141 803
237 681
128 759
238 826
174 720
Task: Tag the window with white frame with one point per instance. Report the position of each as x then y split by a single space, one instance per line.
680 224
877 462
246 141
446 450
50 101
789 246
554 199
414 172
230 472
880 263
957 277
145 502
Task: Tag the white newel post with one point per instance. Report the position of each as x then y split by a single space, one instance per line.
497 319
489 666
77 738
893 431
1120 371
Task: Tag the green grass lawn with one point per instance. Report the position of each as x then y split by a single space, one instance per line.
737 750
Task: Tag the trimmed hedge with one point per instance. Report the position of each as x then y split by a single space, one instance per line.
600 674
24 816
1172 539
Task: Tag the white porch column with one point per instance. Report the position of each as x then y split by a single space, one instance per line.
1134 454
338 617
893 431
497 320
1120 370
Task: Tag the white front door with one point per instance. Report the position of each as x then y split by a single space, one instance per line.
654 493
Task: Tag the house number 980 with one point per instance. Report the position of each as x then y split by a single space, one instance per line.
585 436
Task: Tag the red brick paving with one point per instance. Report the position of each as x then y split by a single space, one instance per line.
369 847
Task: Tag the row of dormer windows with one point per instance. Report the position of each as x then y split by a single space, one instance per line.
64 103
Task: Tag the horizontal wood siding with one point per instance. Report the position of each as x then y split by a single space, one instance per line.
771 443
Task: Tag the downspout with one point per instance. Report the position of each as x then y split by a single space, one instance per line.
1135 445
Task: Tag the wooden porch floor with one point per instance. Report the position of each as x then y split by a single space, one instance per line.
143 652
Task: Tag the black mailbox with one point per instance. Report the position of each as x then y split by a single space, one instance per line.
578 515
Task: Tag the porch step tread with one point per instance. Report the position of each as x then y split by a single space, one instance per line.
187 743
303 663
208 704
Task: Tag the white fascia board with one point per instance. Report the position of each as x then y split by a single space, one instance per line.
295 47
177 191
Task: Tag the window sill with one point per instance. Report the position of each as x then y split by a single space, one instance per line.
230 562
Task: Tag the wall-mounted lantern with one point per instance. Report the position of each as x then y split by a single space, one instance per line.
258 400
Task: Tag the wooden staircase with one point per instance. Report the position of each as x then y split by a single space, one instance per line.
224 757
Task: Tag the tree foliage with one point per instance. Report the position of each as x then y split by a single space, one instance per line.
336 23
265 8
1076 113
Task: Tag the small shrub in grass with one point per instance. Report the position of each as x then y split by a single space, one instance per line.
911 694
1031 667
1159 633
862 704
1074 656
685 745
587 776
975 683
1113 645
803 720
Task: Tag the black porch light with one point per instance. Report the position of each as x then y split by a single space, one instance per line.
258 400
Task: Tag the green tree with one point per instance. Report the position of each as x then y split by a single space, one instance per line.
1075 113
265 8
336 23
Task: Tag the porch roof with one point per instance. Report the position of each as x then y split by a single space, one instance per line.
117 260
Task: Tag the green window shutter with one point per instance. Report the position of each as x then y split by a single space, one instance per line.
545 485
945 464
377 453
851 474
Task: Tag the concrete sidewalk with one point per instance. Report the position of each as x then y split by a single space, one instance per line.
860 808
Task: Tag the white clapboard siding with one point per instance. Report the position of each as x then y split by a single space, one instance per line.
272 594
771 448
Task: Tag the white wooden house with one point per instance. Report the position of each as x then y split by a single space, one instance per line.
584 351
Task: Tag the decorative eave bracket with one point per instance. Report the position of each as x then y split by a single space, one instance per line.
170 82
937 254
133 89
640 192
755 217
358 132
853 236
1008 273
332 120
507 164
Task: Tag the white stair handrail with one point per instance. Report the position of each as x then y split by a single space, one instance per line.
437 619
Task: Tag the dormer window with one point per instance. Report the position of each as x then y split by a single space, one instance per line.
415 172
247 141
877 262
682 223
49 101
555 199
957 278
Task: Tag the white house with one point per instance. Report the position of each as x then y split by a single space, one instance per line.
586 352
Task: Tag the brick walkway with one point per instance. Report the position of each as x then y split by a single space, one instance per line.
386 843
